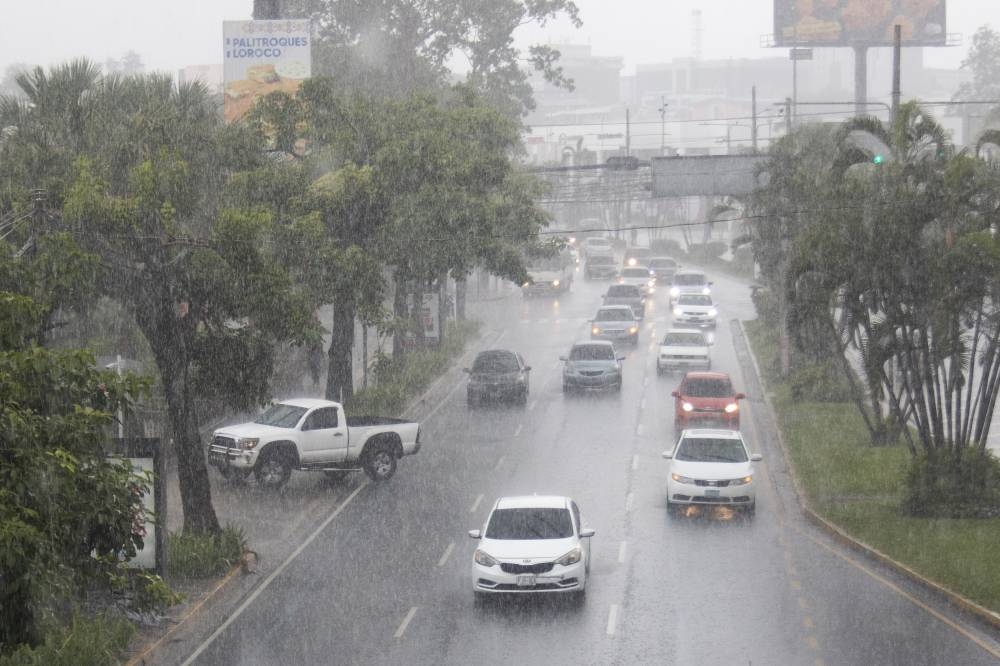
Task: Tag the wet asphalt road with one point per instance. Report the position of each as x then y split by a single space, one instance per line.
387 580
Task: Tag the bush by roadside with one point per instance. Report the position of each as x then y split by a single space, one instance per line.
93 640
400 380
862 489
204 555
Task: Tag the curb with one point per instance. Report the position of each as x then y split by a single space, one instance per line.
150 648
951 597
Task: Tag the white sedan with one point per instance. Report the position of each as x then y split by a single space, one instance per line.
533 544
711 467
640 276
683 348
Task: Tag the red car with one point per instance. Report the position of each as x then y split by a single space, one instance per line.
706 399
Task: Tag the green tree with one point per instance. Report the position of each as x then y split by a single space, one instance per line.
55 411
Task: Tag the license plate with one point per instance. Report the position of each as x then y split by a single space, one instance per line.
526 580
711 492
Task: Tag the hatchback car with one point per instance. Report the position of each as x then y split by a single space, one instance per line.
663 268
531 544
695 310
615 322
711 467
639 276
683 348
689 282
498 374
706 399
627 294
592 365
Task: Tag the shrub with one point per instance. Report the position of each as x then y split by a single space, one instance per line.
818 382
204 555
94 641
667 246
948 484
765 302
710 251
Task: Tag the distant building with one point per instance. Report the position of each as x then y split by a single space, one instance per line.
209 75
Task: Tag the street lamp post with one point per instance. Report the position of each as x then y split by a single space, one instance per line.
663 125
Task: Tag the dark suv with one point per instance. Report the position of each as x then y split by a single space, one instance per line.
498 374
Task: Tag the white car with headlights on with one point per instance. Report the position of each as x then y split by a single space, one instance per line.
531 544
711 467
683 348
640 276
689 282
695 310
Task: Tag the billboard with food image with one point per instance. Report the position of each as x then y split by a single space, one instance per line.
862 22
262 57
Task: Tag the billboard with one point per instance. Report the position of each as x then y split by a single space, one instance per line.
261 57
705 175
862 22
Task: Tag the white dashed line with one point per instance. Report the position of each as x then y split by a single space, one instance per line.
629 500
645 382
635 461
475 505
517 430
638 430
406 621
621 553
531 407
642 404
447 553
499 463
612 619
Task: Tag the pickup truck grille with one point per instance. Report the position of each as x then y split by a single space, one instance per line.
223 445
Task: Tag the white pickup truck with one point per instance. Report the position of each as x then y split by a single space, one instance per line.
312 435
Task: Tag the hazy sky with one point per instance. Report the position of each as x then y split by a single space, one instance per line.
171 34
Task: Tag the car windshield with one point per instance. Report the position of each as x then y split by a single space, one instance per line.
530 524
689 279
602 259
281 416
494 363
636 273
623 291
705 387
692 339
711 449
592 353
694 299
616 314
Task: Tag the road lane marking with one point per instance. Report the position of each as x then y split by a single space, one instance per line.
638 430
635 461
628 502
803 604
274 574
475 505
612 619
517 431
496 468
406 621
447 552
796 584
642 404
807 621
621 553
812 642
531 407
645 382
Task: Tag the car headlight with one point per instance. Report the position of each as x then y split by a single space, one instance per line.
555 283
742 481
484 559
526 284
651 283
247 442
712 312
678 312
632 261
633 330
675 291
732 407
596 330
572 557
681 479
706 291
687 407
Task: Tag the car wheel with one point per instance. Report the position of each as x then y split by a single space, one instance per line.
273 470
479 599
380 463
750 511
522 397
579 597
659 370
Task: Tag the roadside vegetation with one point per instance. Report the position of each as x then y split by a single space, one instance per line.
194 555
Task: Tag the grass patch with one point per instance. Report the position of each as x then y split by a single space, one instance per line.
97 640
860 488
400 380
204 555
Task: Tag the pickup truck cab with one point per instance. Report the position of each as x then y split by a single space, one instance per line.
312 435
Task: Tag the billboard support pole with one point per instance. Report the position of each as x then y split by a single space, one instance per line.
860 78
753 113
896 48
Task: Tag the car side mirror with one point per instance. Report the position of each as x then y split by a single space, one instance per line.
675 394
756 457
667 454
475 534
586 533
740 396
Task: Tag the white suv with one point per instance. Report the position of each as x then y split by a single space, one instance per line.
532 543
711 467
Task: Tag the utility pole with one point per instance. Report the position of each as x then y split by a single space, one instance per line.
628 135
753 113
860 78
896 49
788 115
663 125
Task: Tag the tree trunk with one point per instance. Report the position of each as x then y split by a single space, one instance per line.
400 313
340 371
460 288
